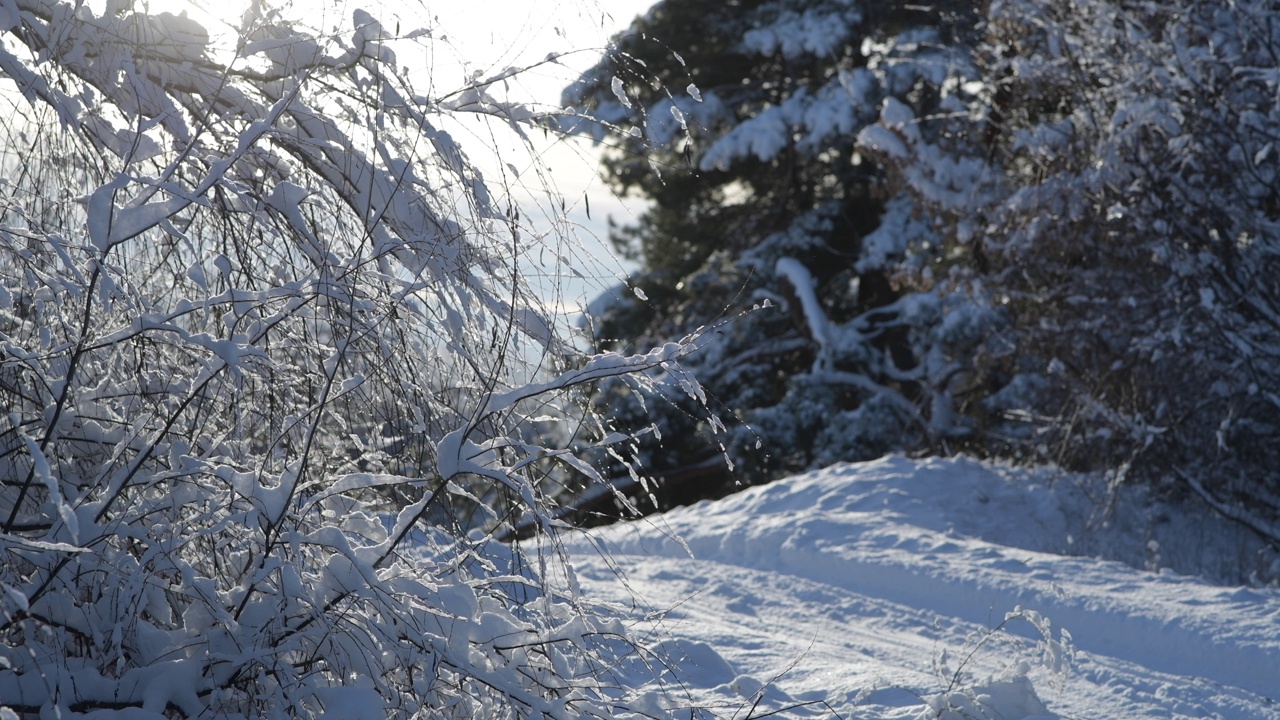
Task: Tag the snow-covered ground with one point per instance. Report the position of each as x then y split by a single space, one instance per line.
881 590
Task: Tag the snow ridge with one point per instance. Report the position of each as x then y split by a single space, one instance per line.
904 537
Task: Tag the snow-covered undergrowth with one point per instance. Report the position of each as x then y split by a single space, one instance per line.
948 589
254 299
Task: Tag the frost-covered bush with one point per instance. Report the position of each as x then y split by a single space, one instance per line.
268 366
1114 186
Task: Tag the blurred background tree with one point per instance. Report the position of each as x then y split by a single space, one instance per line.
1030 229
739 123
1121 204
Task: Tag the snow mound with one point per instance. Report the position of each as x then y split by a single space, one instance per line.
943 589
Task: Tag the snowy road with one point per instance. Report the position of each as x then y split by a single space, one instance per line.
874 588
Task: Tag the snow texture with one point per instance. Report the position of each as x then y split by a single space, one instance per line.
876 588
811 32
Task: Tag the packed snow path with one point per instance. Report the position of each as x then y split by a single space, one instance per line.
869 586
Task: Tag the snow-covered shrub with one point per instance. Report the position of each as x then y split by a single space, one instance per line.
974 691
1113 183
263 338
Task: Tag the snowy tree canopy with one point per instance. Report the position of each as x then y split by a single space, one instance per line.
740 121
270 368
1031 229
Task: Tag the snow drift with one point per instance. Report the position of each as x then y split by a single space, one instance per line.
947 588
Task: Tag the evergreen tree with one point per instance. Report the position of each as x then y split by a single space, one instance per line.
1054 241
740 120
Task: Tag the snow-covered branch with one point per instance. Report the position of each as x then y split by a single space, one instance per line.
270 364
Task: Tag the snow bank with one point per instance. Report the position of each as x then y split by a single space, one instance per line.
883 588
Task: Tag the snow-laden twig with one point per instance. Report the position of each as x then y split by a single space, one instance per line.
271 372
